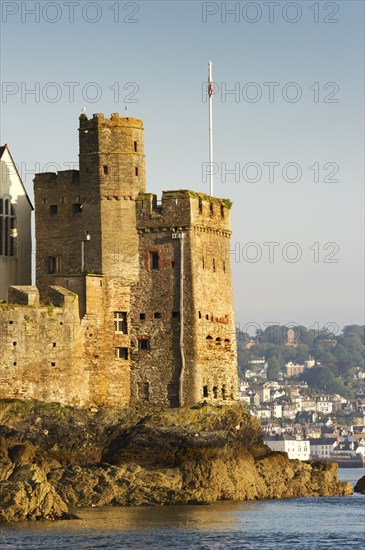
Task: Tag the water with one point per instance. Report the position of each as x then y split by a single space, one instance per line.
305 524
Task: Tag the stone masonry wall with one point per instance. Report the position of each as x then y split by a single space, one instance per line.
211 364
40 348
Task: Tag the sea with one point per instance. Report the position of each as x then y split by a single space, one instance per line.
301 523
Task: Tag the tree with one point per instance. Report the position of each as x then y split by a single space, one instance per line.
273 369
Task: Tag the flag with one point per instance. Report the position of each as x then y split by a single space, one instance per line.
210 83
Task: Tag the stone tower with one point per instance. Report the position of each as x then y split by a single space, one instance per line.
182 306
87 242
112 174
95 203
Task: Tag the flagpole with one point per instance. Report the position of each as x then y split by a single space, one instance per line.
210 91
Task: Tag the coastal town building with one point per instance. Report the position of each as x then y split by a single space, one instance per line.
296 448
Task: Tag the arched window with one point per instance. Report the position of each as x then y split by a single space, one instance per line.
7 227
209 340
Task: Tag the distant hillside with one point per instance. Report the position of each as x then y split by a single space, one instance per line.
338 356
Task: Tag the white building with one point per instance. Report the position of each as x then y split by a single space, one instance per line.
276 410
322 448
296 448
15 227
324 404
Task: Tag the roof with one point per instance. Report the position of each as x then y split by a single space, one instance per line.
282 437
4 148
323 441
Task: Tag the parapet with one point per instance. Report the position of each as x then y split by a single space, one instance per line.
23 295
59 296
99 119
53 178
182 208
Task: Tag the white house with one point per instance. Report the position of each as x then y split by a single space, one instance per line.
15 226
296 448
276 410
322 448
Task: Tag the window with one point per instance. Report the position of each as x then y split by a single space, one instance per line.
203 263
224 266
136 171
54 264
215 392
213 264
211 209
121 353
205 391
157 315
120 322
77 208
224 393
142 316
53 210
209 340
105 170
8 232
135 146
199 314
154 260
200 206
222 211
143 344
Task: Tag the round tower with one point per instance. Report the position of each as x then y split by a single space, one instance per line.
112 174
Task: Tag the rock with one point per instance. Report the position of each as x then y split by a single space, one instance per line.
193 455
25 491
360 486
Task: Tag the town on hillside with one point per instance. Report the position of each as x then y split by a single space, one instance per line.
307 389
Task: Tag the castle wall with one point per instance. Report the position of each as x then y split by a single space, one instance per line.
40 348
59 226
110 374
46 353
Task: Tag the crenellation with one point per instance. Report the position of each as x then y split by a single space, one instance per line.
23 295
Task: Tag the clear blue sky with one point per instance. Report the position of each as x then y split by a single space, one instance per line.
312 50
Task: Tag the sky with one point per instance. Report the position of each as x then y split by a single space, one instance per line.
288 126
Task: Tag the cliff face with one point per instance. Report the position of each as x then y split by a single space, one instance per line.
202 454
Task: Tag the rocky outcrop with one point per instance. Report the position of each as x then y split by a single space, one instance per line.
360 486
25 491
194 455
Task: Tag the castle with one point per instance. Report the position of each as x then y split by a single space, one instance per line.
134 296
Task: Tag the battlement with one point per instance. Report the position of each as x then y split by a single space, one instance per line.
115 120
23 295
183 208
63 177
29 296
